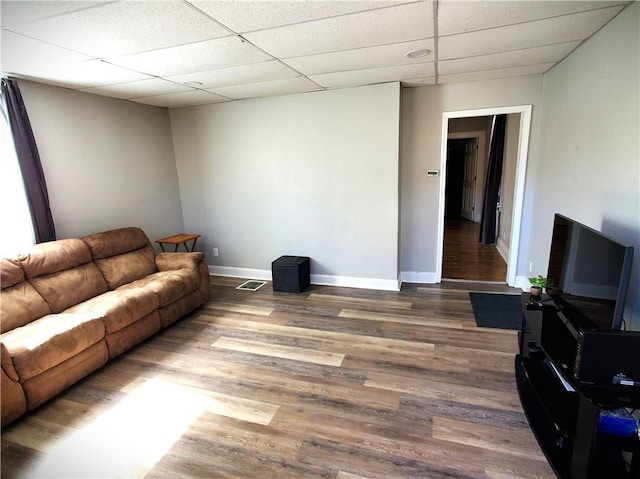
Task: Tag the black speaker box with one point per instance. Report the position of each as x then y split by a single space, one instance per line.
609 362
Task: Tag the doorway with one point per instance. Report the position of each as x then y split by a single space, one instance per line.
464 257
515 215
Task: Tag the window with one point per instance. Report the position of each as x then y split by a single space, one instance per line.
14 209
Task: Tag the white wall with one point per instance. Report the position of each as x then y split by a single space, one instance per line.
421 135
311 175
589 167
109 163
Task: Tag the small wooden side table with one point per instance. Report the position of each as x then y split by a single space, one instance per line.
179 239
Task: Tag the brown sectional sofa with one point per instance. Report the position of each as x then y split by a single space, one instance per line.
68 306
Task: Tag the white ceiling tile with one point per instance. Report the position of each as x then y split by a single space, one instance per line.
492 74
125 27
240 75
526 35
337 43
138 89
271 88
40 61
21 54
174 100
374 75
246 16
529 56
95 73
455 16
402 23
16 12
195 57
362 58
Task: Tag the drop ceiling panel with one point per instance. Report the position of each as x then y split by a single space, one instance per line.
149 50
174 100
466 16
26 57
272 88
16 12
402 23
374 75
240 75
529 56
362 58
195 57
492 74
247 16
526 35
124 27
139 89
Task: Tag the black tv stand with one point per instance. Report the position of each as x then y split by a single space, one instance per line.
562 413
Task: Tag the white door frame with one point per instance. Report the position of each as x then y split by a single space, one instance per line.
518 195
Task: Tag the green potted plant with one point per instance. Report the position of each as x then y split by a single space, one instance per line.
539 282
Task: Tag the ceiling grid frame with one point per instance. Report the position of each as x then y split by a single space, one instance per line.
182 53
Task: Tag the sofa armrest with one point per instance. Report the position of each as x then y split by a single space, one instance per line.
7 363
14 402
173 261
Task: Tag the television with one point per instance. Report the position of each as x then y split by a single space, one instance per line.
590 273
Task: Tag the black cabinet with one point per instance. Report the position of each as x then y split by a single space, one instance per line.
563 415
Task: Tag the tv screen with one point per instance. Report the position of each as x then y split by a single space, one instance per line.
590 273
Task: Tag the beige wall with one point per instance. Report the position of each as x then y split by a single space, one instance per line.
108 163
589 167
421 136
312 175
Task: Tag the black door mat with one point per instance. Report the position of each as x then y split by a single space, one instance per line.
503 311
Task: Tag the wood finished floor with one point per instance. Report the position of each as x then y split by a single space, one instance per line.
464 258
334 382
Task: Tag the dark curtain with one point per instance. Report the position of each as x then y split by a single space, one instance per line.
492 183
29 160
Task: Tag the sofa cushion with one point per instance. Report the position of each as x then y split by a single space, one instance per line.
50 340
115 242
169 286
62 273
11 272
54 256
122 255
20 302
118 309
127 267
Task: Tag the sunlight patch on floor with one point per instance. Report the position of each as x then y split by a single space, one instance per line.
129 439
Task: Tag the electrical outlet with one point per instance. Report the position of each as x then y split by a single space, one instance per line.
530 266
216 252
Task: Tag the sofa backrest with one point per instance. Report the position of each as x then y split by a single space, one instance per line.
20 302
63 273
122 255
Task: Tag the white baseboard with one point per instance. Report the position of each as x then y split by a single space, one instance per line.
321 279
355 282
247 273
503 249
418 277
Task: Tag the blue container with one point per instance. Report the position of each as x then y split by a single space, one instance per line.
618 422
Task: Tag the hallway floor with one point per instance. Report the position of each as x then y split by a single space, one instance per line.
466 259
